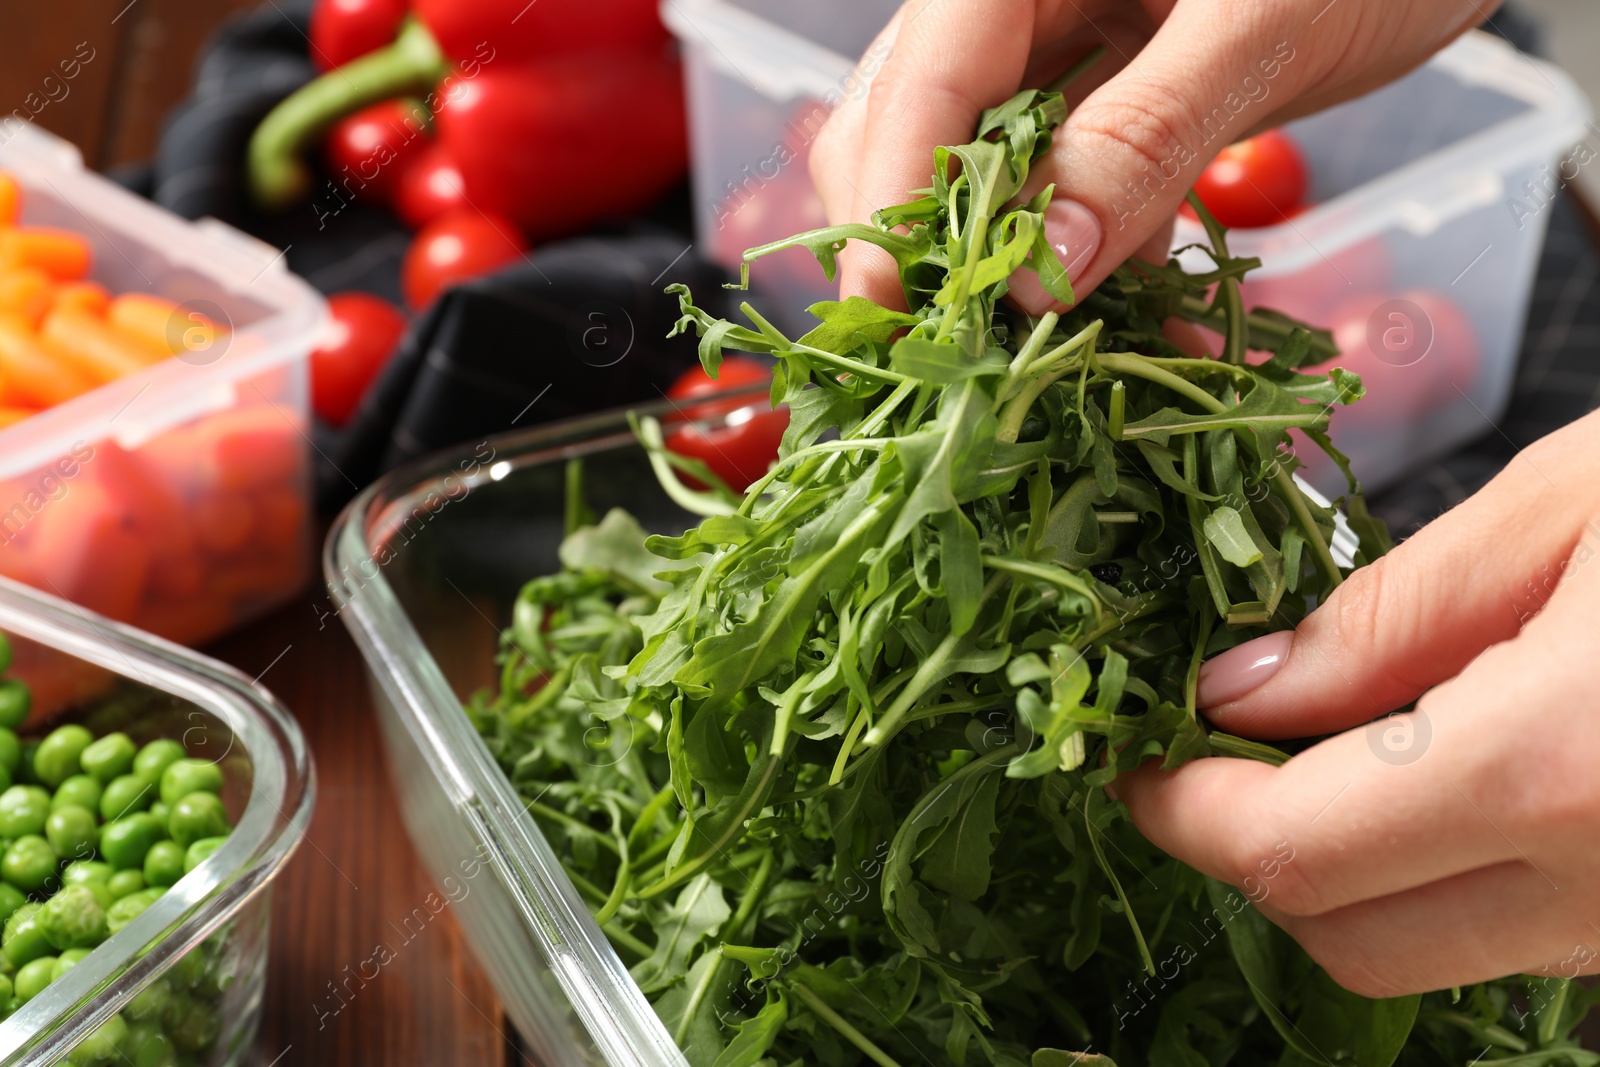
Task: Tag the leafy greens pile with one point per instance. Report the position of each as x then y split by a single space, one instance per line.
847 804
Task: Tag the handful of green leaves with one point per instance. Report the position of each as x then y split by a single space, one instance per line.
845 800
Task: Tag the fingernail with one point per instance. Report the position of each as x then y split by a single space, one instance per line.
1074 232
1242 669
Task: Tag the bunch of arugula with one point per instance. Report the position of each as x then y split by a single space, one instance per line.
846 802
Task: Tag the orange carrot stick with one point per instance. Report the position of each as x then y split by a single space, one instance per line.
32 372
162 324
88 297
28 292
62 254
93 347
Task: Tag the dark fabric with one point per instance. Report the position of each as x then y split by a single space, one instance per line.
579 327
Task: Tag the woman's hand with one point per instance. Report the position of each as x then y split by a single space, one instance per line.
1180 81
1456 843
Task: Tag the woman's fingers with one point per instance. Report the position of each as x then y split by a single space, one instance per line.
1507 919
1336 825
949 62
1468 580
1493 768
1128 153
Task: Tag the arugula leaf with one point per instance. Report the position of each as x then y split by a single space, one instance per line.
829 767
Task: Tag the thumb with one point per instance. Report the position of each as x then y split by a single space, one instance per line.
1420 614
1127 155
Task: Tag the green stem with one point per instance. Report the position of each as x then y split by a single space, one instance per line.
1297 503
623 939
838 1022
756 799
619 893
1140 367
278 175
753 893
930 671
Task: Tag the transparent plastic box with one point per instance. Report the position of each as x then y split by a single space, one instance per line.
178 498
206 937
423 567
1430 207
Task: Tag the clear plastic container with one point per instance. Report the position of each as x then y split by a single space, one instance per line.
1430 208
176 499
423 568
208 933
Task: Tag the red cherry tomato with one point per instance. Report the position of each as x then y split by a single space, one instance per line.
1257 182
364 333
463 244
740 451
430 186
369 152
342 30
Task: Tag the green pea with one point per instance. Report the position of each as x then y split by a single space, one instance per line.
10 750
82 872
80 790
15 703
124 882
191 1024
150 1002
163 864
195 816
161 811
33 976
104 1044
109 756
29 864
189 776
23 810
11 898
74 918
68 960
127 909
59 753
7 990
188 971
156 757
148 1046
124 794
98 885
124 842
200 851
24 938
73 832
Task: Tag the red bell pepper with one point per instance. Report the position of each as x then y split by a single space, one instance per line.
556 113
341 30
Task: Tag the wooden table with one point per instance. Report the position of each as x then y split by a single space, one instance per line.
356 876
353 881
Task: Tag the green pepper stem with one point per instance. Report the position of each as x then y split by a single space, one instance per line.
278 175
